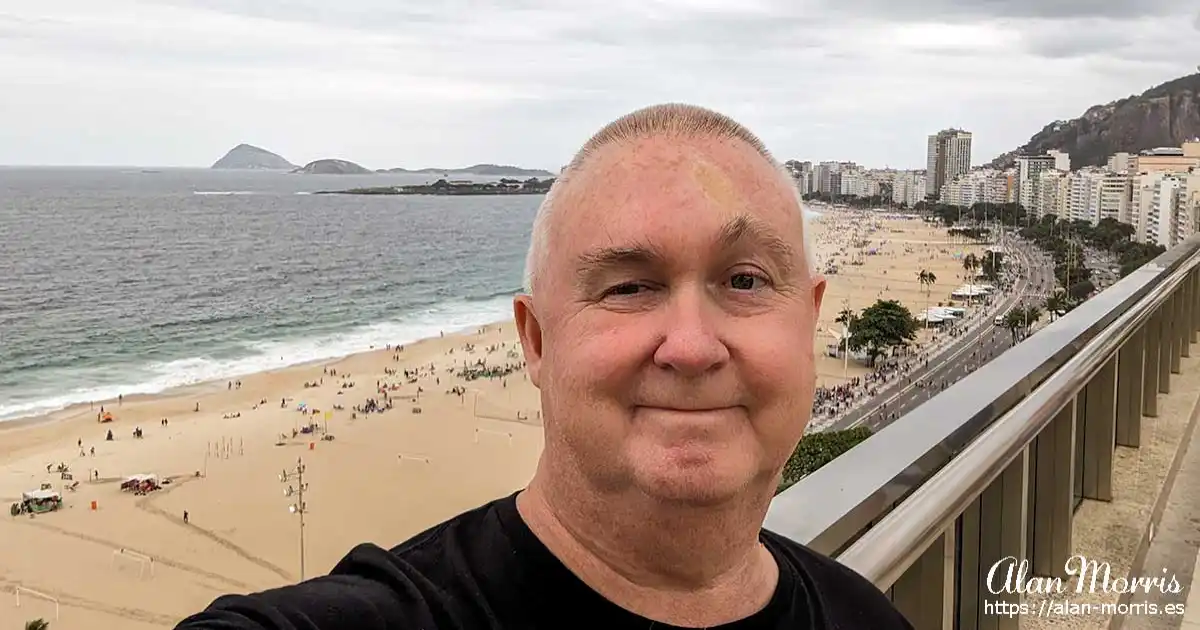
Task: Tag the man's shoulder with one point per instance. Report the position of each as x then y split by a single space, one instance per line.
428 581
837 590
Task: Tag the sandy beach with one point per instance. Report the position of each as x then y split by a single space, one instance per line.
461 427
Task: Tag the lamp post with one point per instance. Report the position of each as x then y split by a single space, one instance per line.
299 507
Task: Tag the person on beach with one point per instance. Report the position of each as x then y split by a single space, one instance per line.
669 324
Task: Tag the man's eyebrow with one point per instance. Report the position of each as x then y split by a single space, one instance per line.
605 258
744 227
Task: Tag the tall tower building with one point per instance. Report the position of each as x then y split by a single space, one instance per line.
947 155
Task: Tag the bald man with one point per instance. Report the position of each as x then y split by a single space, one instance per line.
668 322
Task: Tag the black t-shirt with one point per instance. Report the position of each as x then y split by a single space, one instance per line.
485 569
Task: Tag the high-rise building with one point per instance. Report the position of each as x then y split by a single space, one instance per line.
947 155
1029 180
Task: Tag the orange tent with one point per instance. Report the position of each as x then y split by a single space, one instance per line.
107 417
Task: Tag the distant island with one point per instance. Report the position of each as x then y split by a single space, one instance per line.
506 186
249 157
485 170
333 167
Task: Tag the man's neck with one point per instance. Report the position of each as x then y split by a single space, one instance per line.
685 566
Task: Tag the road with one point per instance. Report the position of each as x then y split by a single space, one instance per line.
963 355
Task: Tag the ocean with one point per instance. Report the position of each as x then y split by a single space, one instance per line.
123 281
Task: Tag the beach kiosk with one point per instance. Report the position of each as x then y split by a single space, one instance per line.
37 502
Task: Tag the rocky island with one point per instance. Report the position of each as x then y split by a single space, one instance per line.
483 170
506 186
333 167
249 157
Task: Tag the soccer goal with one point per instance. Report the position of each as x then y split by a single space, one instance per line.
125 557
30 593
500 434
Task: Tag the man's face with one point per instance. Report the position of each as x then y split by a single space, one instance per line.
671 328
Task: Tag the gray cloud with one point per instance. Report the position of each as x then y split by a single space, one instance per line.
177 82
1004 9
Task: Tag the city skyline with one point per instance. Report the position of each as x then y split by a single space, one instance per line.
135 82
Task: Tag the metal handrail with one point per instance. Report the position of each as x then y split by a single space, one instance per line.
836 505
890 547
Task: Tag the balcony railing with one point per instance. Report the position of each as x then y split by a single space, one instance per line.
995 465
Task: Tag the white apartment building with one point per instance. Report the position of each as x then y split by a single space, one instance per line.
1062 161
1187 207
1029 169
1095 194
1153 201
908 187
858 183
1121 162
1053 194
979 186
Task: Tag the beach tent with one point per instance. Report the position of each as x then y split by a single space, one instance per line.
107 417
972 290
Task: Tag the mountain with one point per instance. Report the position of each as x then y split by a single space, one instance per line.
485 170
1163 116
332 167
250 157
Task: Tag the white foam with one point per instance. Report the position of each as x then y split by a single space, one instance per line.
224 192
157 377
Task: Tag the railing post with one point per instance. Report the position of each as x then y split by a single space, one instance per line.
1099 426
993 531
1131 389
1152 338
1166 348
1177 326
925 593
1190 304
1195 305
1052 494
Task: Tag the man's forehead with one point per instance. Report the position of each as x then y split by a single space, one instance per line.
673 178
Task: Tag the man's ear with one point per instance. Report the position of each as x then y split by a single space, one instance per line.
818 294
530 331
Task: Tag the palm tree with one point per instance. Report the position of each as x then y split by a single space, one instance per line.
970 264
926 278
1013 321
1053 305
37 624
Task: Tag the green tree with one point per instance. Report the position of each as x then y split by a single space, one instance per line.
817 449
1079 291
881 327
37 624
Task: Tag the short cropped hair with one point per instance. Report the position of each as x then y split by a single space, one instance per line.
669 120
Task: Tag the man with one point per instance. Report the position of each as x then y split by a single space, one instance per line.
669 326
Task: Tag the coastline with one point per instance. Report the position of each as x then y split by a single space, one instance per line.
417 435
829 244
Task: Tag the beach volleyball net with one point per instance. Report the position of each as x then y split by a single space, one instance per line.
124 560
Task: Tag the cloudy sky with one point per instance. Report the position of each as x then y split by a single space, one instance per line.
453 82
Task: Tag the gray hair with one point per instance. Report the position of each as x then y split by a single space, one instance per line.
672 120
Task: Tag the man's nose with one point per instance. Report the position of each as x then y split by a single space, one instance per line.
690 343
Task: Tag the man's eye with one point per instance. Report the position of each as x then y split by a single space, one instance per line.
628 288
746 282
